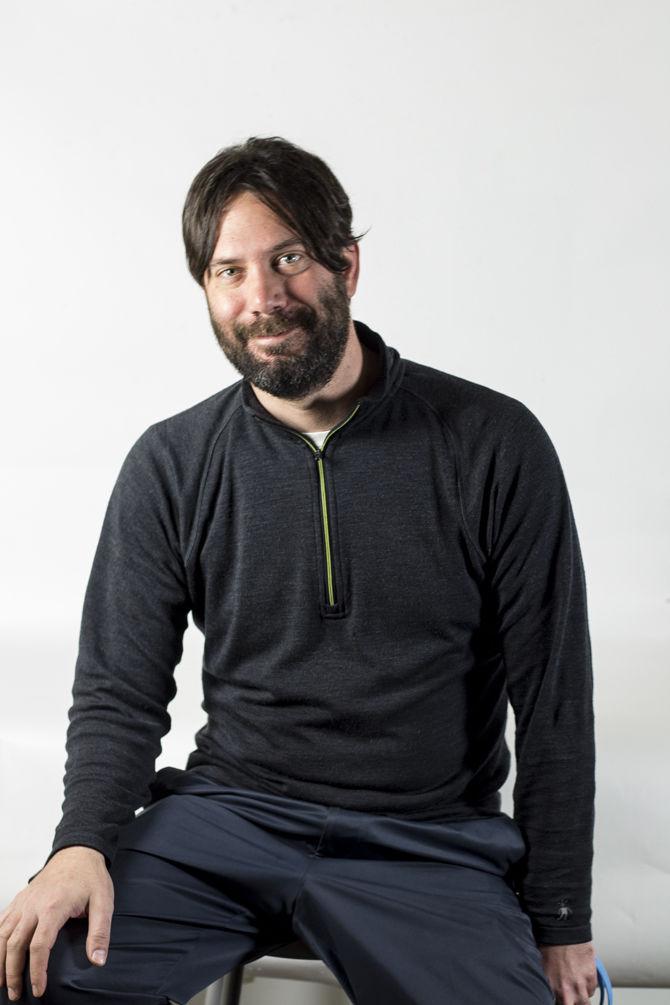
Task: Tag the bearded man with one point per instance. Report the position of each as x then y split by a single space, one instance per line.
379 555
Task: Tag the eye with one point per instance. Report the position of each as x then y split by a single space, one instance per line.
228 274
293 261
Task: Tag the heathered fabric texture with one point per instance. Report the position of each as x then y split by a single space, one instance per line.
377 681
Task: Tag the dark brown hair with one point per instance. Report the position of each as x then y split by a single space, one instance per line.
296 185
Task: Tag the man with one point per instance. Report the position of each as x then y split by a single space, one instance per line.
378 554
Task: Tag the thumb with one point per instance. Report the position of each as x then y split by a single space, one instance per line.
99 925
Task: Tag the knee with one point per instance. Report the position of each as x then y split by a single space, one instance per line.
66 959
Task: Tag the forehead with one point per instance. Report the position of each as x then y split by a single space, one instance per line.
250 227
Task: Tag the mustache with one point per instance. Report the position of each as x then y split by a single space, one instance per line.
278 324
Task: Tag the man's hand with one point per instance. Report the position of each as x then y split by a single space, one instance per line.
73 883
571 972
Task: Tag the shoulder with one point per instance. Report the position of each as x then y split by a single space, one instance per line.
477 417
188 434
172 455
164 469
199 421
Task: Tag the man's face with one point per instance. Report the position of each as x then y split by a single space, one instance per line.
260 283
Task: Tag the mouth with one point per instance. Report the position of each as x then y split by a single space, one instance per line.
271 339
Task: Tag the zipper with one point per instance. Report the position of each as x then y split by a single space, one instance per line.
318 456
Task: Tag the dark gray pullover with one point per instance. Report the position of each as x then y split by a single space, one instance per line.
367 608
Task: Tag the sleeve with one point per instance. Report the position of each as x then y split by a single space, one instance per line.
539 592
134 616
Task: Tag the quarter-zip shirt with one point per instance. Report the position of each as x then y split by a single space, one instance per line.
368 607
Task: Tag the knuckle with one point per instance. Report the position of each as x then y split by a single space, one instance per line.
50 906
43 939
38 973
98 935
8 922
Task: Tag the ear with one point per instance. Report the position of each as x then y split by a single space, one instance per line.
352 254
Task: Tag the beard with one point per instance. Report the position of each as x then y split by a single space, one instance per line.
289 371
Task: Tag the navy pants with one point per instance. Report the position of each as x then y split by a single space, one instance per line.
403 912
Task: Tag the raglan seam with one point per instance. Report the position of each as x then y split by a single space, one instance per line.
160 432
203 484
457 464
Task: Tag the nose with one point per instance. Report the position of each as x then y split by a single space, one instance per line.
266 291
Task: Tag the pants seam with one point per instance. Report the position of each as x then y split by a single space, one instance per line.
310 858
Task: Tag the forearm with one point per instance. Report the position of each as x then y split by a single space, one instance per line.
134 617
555 751
111 754
539 589
555 881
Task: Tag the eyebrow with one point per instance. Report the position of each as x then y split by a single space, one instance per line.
289 242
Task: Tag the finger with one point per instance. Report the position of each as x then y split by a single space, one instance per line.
99 924
572 994
41 945
16 957
7 926
583 995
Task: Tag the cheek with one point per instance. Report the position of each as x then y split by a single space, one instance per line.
225 309
306 289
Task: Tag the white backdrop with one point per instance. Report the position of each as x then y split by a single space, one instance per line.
512 161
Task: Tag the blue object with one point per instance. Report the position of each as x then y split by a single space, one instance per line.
604 983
